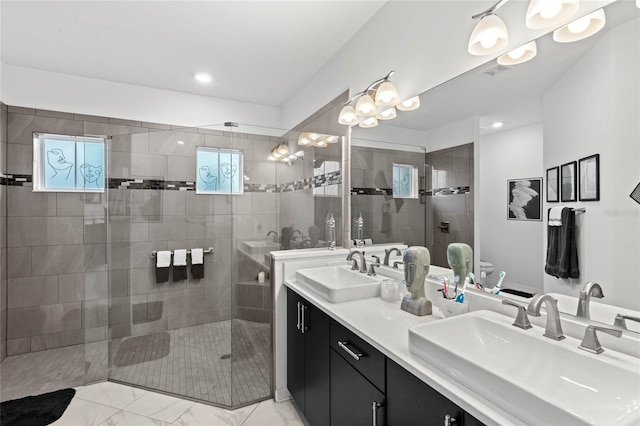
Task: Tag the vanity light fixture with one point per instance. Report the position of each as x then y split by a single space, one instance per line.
203 77
549 13
519 55
638 4
316 139
581 28
367 111
281 151
411 104
490 34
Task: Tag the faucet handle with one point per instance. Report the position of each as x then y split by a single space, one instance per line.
522 319
590 341
377 258
372 271
620 320
395 264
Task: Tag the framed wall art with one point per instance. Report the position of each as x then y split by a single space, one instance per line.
589 178
524 199
568 181
553 193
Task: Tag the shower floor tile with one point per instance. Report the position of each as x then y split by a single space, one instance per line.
192 362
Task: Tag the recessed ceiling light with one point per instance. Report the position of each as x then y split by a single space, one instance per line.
180 142
203 77
497 124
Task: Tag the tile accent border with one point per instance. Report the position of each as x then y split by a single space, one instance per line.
422 192
333 178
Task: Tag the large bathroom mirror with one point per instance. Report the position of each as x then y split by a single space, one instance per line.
573 100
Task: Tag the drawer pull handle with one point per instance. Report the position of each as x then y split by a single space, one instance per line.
303 326
355 355
298 326
374 412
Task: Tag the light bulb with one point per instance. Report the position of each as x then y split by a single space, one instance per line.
409 104
369 122
347 116
203 77
387 94
489 36
365 107
581 28
299 154
303 139
517 53
332 139
497 124
387 114
314 136
321 143
579 25
638 4
283 149
550 8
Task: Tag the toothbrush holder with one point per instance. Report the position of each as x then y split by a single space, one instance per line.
451 308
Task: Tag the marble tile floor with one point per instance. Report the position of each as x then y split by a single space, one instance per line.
110 404
191 361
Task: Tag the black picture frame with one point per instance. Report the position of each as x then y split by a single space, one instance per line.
589 178
568 182
553 189
524 199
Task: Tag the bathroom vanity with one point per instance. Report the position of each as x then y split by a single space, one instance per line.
358 361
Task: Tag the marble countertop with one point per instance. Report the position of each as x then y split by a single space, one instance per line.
385 326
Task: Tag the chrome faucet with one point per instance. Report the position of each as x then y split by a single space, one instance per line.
363 262
387 254
590 341
589 290
522 320
620 320
553 329
275 235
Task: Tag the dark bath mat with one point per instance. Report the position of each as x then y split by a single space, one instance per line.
36 410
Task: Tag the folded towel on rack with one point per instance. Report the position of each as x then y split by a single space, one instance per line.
179 265
562 249
163 266
555 216
197 263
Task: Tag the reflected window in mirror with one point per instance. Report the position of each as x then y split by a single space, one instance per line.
405 181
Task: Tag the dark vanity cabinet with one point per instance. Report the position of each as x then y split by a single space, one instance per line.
338 379
357 380
308 359
412 402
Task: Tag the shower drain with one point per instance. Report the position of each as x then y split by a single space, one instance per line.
226 356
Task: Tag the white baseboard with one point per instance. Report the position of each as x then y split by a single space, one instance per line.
282 395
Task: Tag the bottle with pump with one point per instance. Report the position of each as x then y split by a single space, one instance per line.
359 230
331 232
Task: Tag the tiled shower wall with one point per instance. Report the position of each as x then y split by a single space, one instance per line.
59 289
450 184
3 233
386 219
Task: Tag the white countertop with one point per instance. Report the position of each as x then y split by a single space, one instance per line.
386 327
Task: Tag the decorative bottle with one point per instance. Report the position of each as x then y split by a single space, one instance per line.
331 232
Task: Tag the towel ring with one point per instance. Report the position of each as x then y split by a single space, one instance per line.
210 250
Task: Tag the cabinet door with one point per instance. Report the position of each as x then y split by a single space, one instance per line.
411 402
353 396
317 366
295 349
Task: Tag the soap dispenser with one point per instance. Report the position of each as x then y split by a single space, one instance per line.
359 230
331 232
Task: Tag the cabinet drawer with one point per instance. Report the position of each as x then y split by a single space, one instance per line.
361 355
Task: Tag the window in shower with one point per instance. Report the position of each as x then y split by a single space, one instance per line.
405 181
63 163
219 171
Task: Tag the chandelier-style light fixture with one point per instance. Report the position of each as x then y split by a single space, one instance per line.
490 35
519 55
581 28
379 101
549 13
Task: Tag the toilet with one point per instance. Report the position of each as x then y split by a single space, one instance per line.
486 267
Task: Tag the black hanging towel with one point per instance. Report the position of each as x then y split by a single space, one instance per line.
562 250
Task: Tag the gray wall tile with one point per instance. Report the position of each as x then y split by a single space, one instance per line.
18 346
166 143
19 262
34 231
181 168
31 291
19 159
37 320
21 127
96 313
49 260
57 340
69 204
22 201
71 287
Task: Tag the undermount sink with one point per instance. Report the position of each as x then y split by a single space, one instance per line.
540 380
339 284
260 246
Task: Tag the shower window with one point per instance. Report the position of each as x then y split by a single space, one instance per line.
219 171
63 163
405 181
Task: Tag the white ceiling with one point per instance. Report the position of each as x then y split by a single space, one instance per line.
257 51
